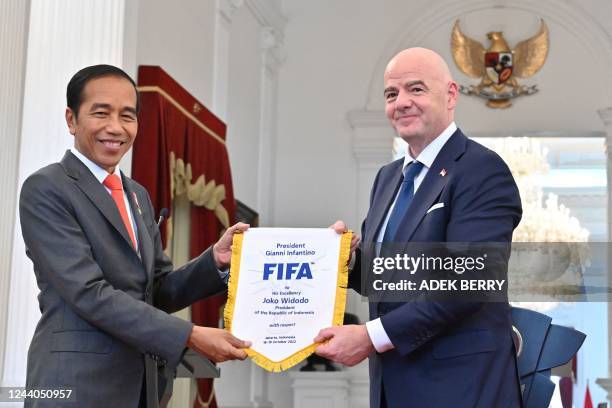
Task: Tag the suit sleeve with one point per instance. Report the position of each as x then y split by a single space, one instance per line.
63 257
197 279
485 207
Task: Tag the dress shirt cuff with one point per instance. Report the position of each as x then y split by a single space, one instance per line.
223 274
379 336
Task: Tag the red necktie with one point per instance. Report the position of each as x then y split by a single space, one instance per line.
114 184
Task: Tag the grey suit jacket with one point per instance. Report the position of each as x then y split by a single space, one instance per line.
104 306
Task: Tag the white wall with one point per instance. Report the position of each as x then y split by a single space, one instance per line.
179 38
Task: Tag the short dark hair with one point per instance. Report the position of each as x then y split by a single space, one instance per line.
74 91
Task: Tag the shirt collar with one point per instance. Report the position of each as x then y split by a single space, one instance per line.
99 173
428 155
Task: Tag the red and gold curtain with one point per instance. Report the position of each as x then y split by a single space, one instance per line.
180 149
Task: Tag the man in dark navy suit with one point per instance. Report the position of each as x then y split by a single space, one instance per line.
447 189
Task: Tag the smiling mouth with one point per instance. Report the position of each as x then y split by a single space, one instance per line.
406 117
112 144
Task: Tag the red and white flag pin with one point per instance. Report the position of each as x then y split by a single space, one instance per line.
443 172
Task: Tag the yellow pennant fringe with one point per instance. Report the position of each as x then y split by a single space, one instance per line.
339 305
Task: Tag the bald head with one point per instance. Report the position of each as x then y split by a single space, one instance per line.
420 96
420 59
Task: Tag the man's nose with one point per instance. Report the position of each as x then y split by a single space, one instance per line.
113 126
403 101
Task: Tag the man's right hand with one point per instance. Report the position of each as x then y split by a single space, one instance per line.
340 228
217 344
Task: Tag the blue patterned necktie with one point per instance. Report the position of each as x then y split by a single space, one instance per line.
404 198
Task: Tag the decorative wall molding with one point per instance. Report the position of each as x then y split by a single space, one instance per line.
569 15
272 47
227 8
14 20
268 14
372 138
605 115
367 118
372 142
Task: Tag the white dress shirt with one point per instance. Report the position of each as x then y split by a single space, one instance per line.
376 331
100 174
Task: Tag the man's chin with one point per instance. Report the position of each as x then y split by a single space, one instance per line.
408 136
108 163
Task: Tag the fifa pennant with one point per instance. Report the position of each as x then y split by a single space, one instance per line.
285 285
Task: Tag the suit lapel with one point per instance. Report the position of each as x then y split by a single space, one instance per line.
144 240
437 176
96 193
388 186
429 190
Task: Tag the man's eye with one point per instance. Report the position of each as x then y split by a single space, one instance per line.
417 90
100 114
390 96
128 117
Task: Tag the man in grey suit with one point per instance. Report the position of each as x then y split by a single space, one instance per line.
106 287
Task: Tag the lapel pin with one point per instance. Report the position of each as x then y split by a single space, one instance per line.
136 201
443 172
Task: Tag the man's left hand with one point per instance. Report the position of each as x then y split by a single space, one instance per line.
348 345
222 250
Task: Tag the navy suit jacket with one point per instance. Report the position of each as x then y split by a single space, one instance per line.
447 354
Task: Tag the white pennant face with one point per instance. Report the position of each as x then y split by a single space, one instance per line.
285 291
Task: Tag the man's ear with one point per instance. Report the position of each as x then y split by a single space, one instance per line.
453 93
71 121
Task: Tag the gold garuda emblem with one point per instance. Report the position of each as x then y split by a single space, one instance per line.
499 65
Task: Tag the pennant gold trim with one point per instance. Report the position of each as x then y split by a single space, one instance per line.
339 305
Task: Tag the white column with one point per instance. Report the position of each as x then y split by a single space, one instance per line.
63 36
259 388
14 16
372 147
273 55
606 117
359 396
223 24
